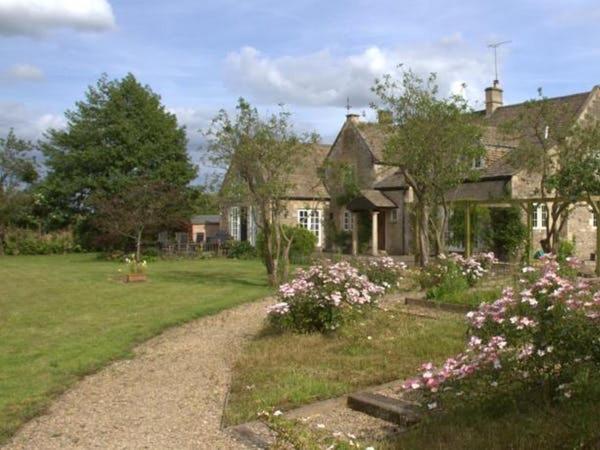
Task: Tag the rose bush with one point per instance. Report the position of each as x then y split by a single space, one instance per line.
383 271
322 297
455 273
544 336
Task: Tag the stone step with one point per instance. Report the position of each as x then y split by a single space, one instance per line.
376 405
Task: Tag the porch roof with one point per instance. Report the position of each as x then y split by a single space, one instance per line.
483 190
369 200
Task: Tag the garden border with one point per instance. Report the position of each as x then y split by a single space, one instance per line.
431 304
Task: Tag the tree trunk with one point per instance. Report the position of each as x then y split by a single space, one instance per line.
138 246
270 262
285 257
423 222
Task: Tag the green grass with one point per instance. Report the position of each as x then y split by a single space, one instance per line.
471 297
288 370
62 317
519 422
487 291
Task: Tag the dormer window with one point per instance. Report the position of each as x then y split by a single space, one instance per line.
479 162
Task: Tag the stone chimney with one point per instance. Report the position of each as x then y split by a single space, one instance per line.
354 118
493 98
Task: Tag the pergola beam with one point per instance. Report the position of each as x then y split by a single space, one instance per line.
527 205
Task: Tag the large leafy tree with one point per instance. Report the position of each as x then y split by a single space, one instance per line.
258 155
119 132
17 172
141 205
433 140
542 130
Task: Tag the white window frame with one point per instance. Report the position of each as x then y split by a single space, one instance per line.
539 221
235 222
311 220
593 218
394 215
348 220
479 162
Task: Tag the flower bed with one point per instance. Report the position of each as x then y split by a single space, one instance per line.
544 337
323 296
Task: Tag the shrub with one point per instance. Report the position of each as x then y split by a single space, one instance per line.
241 250
565 250
28 242
508 232
383 271
303 244
541 337
322 297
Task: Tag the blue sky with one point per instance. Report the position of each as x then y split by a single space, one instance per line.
200 55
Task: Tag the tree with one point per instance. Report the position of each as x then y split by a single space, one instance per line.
541 129
120 131
259 154
433 141
203 200
141 205
17 171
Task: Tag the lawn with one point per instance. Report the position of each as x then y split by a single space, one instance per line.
62 317
288 370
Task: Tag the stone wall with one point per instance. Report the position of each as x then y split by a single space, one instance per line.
580 229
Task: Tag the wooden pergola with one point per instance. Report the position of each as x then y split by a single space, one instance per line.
527 204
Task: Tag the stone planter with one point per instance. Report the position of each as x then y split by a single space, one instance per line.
135 277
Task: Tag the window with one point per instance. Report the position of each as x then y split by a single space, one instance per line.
347 220
593 219
479 162
311 220
394 215
540 217
234 222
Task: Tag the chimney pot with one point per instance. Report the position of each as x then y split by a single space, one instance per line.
493 98
354 118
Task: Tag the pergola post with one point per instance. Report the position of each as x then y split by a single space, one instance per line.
529 250
597 255
374 233
354 233
467 229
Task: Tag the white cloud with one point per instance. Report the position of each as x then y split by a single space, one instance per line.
27 123
322 78
36 17
23 72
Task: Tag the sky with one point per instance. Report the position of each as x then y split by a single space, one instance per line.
310 55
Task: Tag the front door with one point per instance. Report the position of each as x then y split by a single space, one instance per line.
381 230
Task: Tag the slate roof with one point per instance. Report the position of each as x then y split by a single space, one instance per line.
374 135
571 105
370 199
497 143
306 180
200 219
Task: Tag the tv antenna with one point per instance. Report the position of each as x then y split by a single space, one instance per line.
495 46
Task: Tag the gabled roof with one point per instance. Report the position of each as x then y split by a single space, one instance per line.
305 177
370 199
496 142
571 105
374 134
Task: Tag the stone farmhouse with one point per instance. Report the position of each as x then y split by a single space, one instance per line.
385 199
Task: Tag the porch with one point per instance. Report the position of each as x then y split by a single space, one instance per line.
377 206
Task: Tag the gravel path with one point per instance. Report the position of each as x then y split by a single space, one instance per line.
170 396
